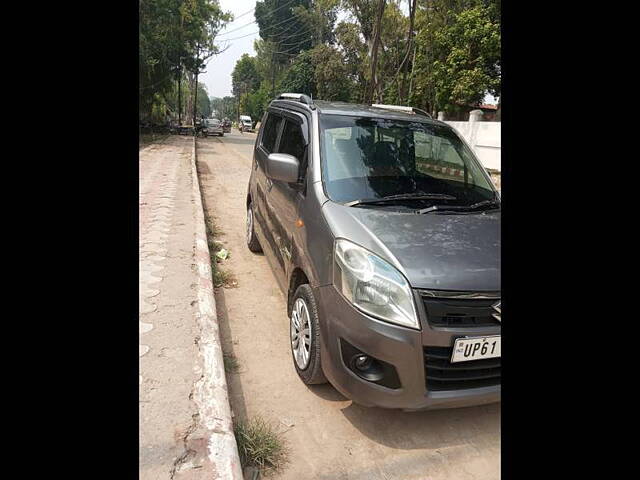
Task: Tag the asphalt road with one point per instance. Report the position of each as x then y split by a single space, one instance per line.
328 436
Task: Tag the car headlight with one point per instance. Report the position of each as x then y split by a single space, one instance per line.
373 285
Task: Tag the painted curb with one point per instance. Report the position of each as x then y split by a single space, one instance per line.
211 393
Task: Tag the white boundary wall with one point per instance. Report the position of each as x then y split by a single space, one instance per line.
484 138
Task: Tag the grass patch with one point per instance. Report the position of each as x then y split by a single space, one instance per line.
259 445
212 228
231 364
223 278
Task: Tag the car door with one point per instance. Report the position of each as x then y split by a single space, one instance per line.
283 198
265 145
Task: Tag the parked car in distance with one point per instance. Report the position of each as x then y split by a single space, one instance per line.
246 125
383 231
213 126
226 125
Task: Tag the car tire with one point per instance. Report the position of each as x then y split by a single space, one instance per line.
252 240
304 316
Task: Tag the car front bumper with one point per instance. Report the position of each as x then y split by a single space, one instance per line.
401 347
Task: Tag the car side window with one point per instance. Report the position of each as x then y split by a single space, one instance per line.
270 134
292 143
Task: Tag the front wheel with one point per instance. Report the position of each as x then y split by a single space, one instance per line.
305 337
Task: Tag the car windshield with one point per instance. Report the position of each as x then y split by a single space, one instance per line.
369 158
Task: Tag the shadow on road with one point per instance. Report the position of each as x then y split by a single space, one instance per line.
236 393
430 429
327 392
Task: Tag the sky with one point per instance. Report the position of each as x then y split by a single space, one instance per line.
217 78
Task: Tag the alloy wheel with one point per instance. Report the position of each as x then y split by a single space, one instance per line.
301 333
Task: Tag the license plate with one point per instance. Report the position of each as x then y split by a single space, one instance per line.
475 348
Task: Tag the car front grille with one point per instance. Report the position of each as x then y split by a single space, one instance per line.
459 311
441 374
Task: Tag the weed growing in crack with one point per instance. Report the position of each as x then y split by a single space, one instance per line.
223 278
259 445
217 253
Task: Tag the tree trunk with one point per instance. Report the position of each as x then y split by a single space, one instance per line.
374 54
195 101
404 66
413 64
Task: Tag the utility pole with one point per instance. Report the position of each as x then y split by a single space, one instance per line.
179 95
273 75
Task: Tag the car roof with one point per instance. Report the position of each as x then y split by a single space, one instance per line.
356 110
361 110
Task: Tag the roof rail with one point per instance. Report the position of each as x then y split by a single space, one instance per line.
300 97
401 108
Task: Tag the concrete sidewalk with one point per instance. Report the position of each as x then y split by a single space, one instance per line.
177 438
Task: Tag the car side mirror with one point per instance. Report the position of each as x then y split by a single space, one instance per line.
283 167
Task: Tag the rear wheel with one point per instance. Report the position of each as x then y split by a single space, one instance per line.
305 337
252 240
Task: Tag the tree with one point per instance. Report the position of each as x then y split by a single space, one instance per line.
457 53
300 77
356 61
331 75
444 53
278 23
224 107
319 20
472 66
245 77
204 104
176 40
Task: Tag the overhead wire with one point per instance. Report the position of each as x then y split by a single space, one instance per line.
263 16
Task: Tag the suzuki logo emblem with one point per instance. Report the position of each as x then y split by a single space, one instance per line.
496 307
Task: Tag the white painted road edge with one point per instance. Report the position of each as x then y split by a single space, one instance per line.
211 393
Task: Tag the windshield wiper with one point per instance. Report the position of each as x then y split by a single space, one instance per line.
432 208
404 196
454 208
484 203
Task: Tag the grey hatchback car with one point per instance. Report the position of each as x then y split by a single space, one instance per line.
383 231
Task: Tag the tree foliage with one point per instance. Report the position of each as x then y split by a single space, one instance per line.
433 54
458 55
300 77
225 107
175 41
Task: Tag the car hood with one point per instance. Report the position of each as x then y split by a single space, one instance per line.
437 251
